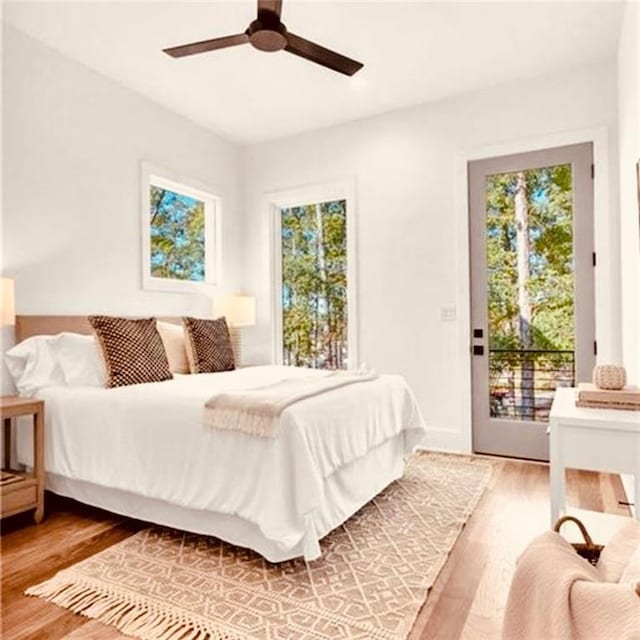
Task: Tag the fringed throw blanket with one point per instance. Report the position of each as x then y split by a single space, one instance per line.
258 411
558 595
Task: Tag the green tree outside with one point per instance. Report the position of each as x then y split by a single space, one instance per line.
177 235
531 306
314 285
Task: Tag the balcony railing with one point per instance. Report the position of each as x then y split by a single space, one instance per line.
522 382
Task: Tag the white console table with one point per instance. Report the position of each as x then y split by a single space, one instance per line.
594 439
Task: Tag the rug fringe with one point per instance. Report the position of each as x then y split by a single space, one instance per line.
129 615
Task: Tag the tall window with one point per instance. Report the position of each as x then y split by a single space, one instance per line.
314 285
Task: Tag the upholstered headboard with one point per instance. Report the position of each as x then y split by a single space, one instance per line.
27 326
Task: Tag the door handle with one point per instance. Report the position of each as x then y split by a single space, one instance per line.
478 350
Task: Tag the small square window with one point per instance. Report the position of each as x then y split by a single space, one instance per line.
179 233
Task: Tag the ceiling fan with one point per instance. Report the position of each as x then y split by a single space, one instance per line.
267 33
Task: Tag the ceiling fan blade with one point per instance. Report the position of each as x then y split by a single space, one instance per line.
327 58
206 45
274 6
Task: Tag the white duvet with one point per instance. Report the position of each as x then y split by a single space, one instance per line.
150 440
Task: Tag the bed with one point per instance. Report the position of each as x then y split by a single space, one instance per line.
142 451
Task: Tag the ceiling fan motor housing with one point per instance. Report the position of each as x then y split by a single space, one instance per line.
267 33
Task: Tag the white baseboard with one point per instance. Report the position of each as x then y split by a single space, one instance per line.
448 440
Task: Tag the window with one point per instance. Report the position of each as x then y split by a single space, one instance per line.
179 234
314 306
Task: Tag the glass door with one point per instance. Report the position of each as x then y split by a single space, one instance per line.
531 221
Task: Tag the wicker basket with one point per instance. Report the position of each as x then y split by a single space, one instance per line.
587 549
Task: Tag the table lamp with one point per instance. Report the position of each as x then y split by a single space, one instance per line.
240 311
7 303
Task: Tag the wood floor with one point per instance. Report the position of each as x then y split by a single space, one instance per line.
466 602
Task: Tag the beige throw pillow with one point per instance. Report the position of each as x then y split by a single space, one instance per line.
208 345
174 345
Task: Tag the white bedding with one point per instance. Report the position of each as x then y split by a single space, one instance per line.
149 440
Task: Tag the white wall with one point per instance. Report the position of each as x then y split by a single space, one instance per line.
73 142
412 235
629 133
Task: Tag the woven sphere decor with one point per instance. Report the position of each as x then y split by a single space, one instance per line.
609 376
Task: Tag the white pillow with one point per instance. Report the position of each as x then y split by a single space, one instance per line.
33 366
79 358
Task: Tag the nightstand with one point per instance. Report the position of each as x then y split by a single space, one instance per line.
21 491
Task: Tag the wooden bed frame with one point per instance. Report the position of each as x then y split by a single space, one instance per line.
27 326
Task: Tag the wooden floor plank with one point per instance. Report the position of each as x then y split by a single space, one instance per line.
613 495
93 630
513 511
466 602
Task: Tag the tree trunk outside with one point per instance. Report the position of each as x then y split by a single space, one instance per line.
524 303
320 346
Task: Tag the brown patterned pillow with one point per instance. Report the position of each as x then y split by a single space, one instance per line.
132 350
208 345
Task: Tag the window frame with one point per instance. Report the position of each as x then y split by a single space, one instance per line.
305 195
158 176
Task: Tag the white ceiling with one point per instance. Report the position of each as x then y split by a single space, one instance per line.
413 52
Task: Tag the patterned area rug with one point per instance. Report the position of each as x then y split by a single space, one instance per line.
373 577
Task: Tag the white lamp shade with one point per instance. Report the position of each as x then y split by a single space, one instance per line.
240 311
7 303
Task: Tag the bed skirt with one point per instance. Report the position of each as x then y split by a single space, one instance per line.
345 491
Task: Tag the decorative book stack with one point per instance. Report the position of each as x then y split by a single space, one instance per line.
591 396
